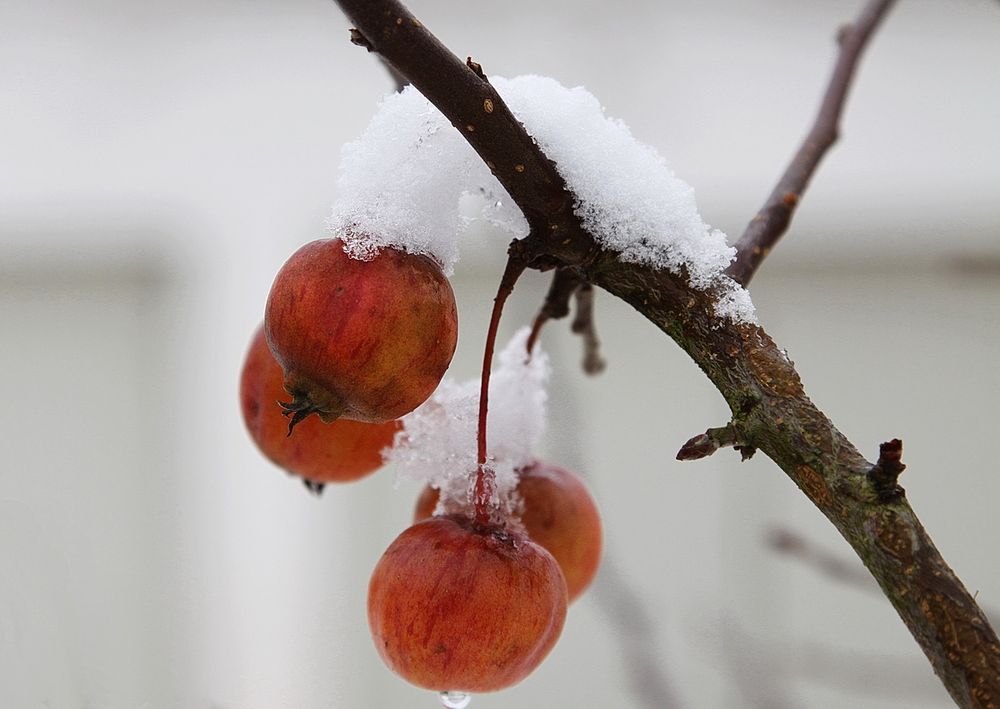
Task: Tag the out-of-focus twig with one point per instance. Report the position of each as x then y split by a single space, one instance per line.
636 631
583 325
772 221
764 672
849 572
845 570
565 282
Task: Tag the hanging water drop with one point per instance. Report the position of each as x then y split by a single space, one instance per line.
455 700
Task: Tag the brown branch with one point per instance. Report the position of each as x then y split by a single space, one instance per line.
772 221
758 382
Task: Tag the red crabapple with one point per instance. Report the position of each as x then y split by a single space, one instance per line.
320 453
453 605
559 513
363 340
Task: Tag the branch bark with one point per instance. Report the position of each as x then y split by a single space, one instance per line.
773 219
759 383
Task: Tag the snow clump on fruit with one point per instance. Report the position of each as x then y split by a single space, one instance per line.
401 183
438 442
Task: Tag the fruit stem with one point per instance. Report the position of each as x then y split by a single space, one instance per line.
485 479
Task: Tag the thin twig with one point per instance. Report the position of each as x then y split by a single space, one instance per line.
568 283
565 282
583 325
772 221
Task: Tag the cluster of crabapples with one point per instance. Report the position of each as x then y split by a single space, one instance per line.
458 602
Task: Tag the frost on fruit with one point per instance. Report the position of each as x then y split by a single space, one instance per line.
401 183
438 442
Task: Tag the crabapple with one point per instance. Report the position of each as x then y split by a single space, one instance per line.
454 605
363 340
559 513
338 452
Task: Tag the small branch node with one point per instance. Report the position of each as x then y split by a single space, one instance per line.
884 475
477 69
360 40
705 444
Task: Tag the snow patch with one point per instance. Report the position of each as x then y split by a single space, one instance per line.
437 444
401 183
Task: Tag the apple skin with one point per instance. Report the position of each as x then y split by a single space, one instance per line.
363 340
455 606
341 451
557 512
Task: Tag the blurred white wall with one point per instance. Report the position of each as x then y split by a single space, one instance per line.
159 162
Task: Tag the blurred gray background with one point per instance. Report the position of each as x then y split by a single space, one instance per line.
158 162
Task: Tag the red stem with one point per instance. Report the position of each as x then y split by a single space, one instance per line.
485 479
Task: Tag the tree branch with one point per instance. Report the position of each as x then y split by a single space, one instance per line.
772 221
775 415
758 382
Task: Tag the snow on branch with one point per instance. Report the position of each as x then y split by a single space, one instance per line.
402 181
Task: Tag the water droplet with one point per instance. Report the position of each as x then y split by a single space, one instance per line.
455 700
